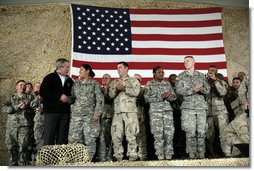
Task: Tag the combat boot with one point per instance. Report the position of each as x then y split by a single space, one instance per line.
22 159
142 158
168 156
133 157
160 157
14 157
192 155
201 155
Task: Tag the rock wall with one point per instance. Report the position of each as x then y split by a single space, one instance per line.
34 36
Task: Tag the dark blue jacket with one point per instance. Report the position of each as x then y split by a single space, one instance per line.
51 91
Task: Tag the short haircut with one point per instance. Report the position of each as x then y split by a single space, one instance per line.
172 75
220 76
125 64
19 81
60 62
212 66
188 57
30 84
237 78
156 68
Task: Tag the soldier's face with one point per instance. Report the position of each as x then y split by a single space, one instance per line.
29 88
105 79
172 79
189 63
212 70
122 70
21 87
236 84
83 72
159 74
37 87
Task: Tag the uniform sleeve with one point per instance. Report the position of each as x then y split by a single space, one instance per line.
112 90
150 96
14 106
221 87
99 107
35 103
7 108
205 88
184 89
134 90
172 97
72 97
243 91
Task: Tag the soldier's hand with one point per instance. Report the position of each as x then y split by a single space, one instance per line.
165 95
235 74
198 86
213 77
22 105
95 118
120 87
39 109
245 105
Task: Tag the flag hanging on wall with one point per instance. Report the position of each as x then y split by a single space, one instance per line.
145 38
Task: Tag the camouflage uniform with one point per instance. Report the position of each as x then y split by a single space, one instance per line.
234 101
217 112
18 128
161 117
194 111
125 118
243 92
141 137
89 101
105 148
38 121
236 132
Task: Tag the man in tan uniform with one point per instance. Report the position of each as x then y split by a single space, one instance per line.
124 90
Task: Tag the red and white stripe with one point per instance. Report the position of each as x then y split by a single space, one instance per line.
164 37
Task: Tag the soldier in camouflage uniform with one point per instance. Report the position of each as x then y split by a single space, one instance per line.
217 112
193 85
37 105
244 93
159 93
105 148
233 99
141 137
124 90
236 132
18 124
86 110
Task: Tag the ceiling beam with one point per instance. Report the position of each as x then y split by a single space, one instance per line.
226 3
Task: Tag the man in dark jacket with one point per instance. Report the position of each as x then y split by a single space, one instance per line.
55 89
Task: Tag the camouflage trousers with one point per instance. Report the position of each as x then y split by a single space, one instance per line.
141 140
105 147
125 123
83 130
38 129
195 126
215 122
17 141
162 128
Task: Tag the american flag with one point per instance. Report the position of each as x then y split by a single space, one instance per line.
145 38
